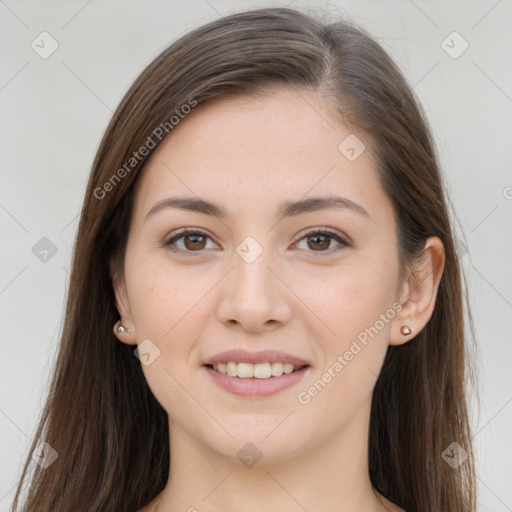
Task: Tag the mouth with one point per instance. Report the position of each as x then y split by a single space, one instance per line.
258 380
263 370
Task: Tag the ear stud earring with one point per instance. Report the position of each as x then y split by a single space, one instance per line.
120 329
405 330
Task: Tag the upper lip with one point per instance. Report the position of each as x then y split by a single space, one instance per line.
262 356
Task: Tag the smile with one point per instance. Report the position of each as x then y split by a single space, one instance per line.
255 380
264 370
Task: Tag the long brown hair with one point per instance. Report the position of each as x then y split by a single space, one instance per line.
100 408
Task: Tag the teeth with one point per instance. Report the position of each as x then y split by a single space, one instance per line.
245 370
258 370
276 369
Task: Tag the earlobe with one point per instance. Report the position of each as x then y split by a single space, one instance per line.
402 332
125 334
419 293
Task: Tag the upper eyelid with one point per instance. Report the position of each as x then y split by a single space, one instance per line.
187 231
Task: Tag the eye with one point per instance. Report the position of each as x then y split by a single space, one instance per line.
193 241
319 240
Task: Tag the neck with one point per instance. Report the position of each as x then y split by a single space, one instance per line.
332 475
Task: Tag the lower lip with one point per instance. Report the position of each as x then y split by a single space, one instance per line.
253 387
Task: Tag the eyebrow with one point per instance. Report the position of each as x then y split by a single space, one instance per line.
286 209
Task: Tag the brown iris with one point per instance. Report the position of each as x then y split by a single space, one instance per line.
324 244
197 242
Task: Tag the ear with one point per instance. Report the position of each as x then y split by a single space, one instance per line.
123 306
419 292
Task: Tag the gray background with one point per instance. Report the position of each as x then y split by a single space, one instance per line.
55 109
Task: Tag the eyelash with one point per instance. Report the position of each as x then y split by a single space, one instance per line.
324 232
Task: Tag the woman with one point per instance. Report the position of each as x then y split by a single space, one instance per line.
265 309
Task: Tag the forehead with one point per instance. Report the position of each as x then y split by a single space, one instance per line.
277 146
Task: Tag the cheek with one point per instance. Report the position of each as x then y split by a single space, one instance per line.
163 298
351 361
162 307
353 297
357 307
167 309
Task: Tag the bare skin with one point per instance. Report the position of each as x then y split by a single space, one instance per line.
306 295
153 506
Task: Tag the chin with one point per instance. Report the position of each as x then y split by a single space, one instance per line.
264 442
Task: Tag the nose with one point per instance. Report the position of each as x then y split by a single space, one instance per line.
254 295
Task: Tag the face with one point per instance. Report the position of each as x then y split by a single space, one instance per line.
318 283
